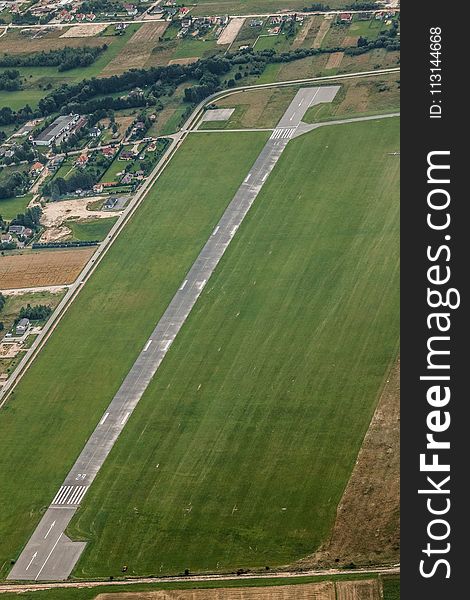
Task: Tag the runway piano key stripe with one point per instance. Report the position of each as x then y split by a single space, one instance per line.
69 495
282 133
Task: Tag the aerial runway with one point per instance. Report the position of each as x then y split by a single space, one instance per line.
50 554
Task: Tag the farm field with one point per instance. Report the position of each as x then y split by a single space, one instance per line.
91 230
37 78
242 7
391 588
63 395
268 389
40 268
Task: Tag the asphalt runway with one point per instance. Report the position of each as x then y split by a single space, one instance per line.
50 554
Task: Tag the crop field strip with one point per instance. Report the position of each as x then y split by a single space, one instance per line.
246 411
63 395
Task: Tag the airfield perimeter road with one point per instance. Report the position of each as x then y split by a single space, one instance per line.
50 554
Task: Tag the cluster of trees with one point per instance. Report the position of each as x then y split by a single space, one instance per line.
64 244
13 185
361 6
64 58
97 6
2 301
23 152
317 7
27 18
40 312
30 218
387 39
10 80
80 180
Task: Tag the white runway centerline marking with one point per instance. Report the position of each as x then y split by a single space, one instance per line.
48 557
147 345
49 530
31 561
104 418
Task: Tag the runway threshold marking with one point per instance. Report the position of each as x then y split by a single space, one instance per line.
69 495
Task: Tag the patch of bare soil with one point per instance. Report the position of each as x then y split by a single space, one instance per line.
80 31
334 60
229 34
183 61
311 591
366 530
324 28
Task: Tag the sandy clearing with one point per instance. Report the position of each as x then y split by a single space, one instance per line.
311 591
138 49
81 31
43 268
324 28
334 60
350 40
229 34
54 213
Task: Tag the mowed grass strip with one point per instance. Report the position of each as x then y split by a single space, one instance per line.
62 397
239 452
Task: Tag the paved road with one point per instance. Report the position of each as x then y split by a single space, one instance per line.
49 554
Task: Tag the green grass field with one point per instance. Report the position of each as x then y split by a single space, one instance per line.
91 230
61 398
10 207
242 445
391 588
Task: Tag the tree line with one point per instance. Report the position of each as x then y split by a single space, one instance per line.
64 58
40 312
10 80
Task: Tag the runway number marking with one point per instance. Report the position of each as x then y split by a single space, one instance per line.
147 345
104 418
124 419
247 178
166 345
184 285
216 230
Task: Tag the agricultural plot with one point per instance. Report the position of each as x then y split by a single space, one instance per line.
239 7
271 384
36 269
136 53
63 395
